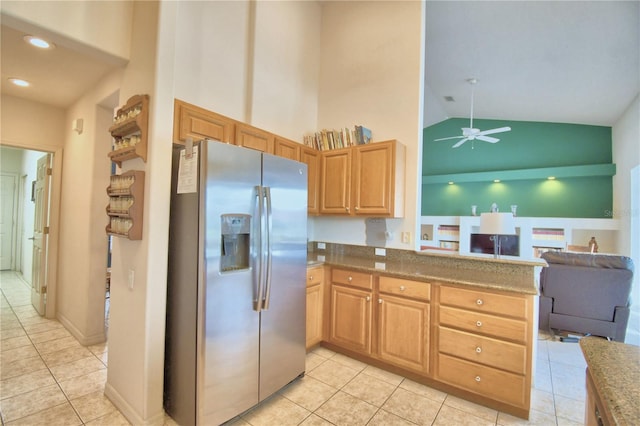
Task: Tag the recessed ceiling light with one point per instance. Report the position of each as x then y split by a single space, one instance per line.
551 178
20 82
496 180
450 182
38 42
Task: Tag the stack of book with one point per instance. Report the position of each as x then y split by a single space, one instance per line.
336 139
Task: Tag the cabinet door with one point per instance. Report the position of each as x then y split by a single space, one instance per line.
403 332
314 315
254 138
335 188
287 149
311 158
351 318
198 123
373 179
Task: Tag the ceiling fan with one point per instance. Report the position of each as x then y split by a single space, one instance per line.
471 134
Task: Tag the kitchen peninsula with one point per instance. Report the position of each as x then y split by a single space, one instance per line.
462 324
613 382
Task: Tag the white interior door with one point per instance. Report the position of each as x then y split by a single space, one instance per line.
7 205
40 234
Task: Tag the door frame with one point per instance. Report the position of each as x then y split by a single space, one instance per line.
54 219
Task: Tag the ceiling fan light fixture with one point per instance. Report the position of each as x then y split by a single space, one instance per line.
38 42
19 82
471 133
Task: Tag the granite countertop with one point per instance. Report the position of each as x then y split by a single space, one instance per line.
518 277
615 369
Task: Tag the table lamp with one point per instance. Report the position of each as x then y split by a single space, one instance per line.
496 224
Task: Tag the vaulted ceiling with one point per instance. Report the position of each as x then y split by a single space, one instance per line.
573 61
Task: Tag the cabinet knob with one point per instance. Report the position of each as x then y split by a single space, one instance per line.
479 302
347 208
478 349
379 300
350 278
357 208
478 379
402 288
310 277
368 298
479 323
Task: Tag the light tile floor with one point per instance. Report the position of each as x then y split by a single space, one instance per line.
48 378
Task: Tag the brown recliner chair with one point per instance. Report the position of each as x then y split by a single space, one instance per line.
586 293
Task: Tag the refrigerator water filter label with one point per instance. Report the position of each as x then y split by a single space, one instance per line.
188 172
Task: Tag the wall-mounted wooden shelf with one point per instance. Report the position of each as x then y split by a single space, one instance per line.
126 205
130 130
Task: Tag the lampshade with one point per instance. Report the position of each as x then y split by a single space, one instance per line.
497 224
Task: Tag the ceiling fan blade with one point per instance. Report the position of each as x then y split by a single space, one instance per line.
452 137
499 130
487 139
460 143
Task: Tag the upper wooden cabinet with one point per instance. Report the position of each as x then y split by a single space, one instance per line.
365 180
199 123
311 158
335 182
287 149
254 138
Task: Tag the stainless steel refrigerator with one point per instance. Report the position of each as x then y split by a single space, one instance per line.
236 280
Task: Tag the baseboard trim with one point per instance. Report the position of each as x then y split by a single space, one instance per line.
80 337
128 411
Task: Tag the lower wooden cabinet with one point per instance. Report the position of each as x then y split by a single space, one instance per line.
475 340
361 311
315 295
351 318
484 344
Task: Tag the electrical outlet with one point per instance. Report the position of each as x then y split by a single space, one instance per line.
406 237
381 252
321 246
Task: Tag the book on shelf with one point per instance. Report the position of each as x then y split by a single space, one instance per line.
326 139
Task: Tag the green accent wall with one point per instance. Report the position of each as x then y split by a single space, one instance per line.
529 146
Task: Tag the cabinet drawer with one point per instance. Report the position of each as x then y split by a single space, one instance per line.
476 322
315 275
483 380
477 300
356 279
400 287
483 350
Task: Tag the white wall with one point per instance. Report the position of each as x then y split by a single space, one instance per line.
626 156
81 284
371 74
29 168
254 62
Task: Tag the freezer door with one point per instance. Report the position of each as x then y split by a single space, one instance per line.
282 356
228 335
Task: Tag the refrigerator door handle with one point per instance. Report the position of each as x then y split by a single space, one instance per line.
269 226
257 245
